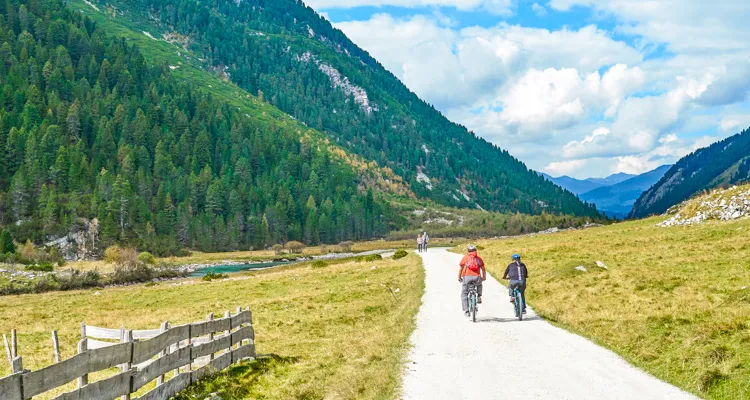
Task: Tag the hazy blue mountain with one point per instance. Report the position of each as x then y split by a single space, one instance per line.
617 200
579 186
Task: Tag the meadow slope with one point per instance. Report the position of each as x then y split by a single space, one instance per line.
337 331
673 301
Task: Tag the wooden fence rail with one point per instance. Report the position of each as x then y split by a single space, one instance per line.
191 350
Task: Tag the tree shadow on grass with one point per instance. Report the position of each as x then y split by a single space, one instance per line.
239 381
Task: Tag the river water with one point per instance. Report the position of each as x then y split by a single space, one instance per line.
229 268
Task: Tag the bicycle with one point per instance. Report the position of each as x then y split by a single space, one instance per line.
518 304
473 295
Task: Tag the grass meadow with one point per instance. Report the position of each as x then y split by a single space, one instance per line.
673 301
338 330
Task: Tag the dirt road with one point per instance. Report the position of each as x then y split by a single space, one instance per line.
499 357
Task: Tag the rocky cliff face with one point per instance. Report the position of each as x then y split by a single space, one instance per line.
80 244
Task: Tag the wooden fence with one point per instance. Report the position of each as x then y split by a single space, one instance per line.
191 351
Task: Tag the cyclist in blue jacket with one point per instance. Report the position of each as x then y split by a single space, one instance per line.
518 274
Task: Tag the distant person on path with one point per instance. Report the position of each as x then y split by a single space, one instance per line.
425 240
420 243
471 272
518 274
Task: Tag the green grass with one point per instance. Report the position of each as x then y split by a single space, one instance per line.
339 332
673 301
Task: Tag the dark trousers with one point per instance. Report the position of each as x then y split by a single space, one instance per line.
521 285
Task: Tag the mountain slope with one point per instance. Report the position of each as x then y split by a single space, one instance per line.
723 163
576 186
294 59
617 200
96 137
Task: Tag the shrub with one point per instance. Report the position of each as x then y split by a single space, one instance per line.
401 253
323 248
372 257
126 273
319 264
345 246
146 258
211 276
28 251
294 246
277 249
112 254
44 267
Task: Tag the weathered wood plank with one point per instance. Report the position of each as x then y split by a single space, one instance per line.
206 327
109 388
246 351
98 344
161 366
245 317
169 388
146 349
217 364
246 332
212 347
55 375
10 387
142 334
102 333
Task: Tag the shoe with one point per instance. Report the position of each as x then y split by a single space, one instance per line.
479 300
467 315
512 299
524 311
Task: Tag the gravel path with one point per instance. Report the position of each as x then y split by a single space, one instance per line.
500 357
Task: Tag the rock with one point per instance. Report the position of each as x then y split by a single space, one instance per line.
601 265
97 293
581 268
374 267
397 290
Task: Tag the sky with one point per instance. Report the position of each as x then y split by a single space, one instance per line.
584 88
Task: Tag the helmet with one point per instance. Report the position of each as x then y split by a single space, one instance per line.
516 256
471 248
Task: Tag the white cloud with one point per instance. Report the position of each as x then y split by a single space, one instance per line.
539 10
559 168
498 7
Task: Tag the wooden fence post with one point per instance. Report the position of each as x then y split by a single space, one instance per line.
83 330
127 338
56 346
210 317
7 349
227 314
82 347
17 364
13 344
164 328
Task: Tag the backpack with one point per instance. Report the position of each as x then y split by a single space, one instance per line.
473 263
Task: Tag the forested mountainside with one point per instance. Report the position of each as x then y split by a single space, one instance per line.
723 163
91 131
617 200
287 54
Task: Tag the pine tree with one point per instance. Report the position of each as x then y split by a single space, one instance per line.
6 243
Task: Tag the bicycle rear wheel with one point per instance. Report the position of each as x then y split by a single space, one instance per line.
519 305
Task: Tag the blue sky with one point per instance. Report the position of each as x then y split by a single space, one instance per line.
577 87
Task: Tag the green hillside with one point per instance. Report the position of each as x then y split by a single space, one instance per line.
298 62
722 164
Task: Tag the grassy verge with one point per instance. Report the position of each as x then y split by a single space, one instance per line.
673 301
339 330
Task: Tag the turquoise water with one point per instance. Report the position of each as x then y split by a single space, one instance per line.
229 268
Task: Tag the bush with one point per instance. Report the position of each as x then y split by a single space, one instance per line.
45 267
277 249
345 246
211 276
112 254
132 273
372 257
319 264
127 257
146 258
294 247
400 254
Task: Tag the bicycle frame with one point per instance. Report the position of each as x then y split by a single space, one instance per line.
473 293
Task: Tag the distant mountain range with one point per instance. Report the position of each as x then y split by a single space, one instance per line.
615 194
617 200
722 164
580 186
